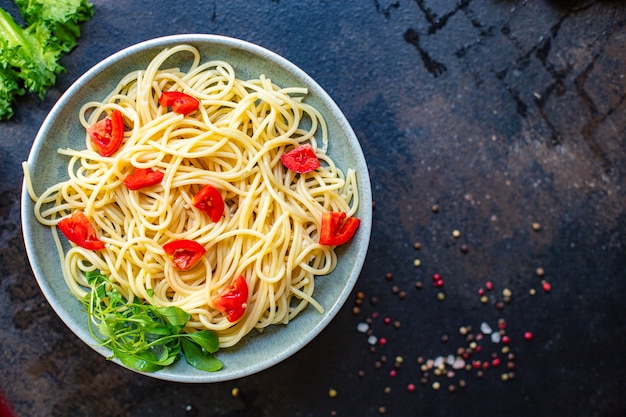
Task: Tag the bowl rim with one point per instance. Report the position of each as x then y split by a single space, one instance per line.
365 197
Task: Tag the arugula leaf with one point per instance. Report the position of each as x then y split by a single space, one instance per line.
200 359
142 336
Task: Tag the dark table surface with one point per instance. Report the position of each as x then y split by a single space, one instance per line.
478 116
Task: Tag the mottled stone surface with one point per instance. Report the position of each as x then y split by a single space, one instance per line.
502 113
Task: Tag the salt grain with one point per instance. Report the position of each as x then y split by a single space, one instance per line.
485 328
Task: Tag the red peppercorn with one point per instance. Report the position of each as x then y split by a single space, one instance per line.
489 285
392 373
495 362
476 364
436 277
506 339
481 292
438 283
387 320
528 336
546 286
382 341
410 387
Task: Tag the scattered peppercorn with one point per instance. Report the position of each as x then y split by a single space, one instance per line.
435 208
464 248
536 227
417 246
540 272
332 393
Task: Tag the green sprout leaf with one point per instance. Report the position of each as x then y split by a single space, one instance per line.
142 336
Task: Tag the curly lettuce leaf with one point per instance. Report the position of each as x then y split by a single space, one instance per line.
29 56
60 17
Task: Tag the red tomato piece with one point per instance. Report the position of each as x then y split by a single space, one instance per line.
180 103
78 230
337 229
107 133
301 159
143 177
234 300
184 252
210 201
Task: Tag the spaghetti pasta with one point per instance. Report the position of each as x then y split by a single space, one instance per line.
269 232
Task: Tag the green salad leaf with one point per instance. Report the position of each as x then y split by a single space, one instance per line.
142 336
29 56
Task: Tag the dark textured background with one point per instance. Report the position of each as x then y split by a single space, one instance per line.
503 113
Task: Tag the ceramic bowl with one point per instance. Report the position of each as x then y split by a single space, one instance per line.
257 351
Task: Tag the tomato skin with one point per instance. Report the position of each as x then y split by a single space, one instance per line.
179 102
234 300
143 177
184 253
301 159
78 230
210 201
336 228
107 134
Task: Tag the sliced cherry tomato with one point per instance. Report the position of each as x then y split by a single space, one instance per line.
184 252
78 230
107 134
210 201
180 103
143 177
301 159
234 300
337 229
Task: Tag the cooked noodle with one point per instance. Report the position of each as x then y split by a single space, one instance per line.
270 228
